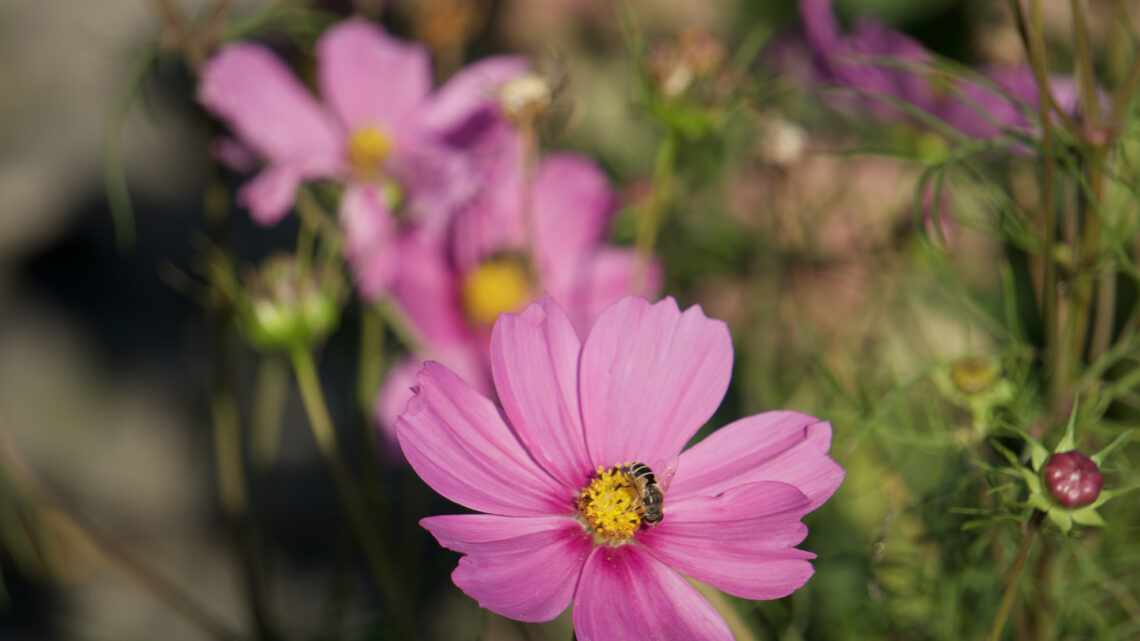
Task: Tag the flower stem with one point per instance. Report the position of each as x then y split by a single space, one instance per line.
227 424
653 216
321 423
1056 364
1033 528
13 464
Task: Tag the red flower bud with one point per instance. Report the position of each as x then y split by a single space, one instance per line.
1073 479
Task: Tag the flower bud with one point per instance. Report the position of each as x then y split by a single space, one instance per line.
286 308
1073 479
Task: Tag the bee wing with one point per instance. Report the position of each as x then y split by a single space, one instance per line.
666 476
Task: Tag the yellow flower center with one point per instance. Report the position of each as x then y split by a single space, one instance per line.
608 506
496 286
367 150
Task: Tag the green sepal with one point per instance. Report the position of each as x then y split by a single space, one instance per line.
1087 516
1069 443
1099 457
1062 519
1038 501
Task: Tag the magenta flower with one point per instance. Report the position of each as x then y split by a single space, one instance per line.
495 265
381 131
560 522
882 64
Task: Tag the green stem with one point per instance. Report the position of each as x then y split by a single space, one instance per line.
226 422
649 224
322 426
1057 365
1032 530
370 364
268 410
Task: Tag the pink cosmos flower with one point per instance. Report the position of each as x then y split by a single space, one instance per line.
560 522
882 64
453 297
381 131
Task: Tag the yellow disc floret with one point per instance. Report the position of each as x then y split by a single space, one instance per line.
608 506
367 150
498 285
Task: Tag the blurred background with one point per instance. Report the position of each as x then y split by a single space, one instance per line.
813 251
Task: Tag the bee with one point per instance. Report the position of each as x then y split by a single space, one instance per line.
650 498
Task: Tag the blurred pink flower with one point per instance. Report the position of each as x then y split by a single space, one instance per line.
495 265
884 65
381 131
561 522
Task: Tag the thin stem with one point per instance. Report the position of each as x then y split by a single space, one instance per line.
649 225
529 142
322 426
1033 528
165 591
1035 46
227 424
1089 102
370 368
1090 247
268 410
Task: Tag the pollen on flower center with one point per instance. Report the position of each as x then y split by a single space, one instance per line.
608 505
367 150
496 286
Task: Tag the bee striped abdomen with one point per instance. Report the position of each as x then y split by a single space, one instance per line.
651 498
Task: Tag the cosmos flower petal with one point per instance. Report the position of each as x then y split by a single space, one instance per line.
534 360
370 78
626 593
428 294
396 389
525 568
395 392
740 541
457 442
572 202
369 235
650 377
471 90
773 446
600 277
267 107
270 194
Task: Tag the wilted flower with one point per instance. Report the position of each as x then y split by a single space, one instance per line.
563 519
382 133
883 66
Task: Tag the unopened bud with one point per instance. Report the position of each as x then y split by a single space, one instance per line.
1073 479
286 308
